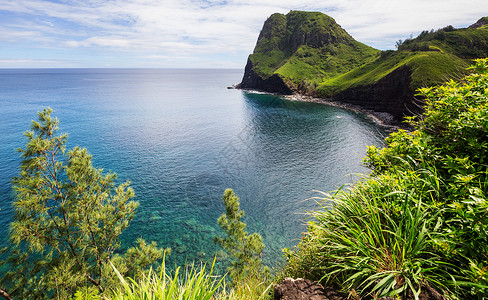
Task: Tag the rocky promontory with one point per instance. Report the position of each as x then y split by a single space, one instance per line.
308 53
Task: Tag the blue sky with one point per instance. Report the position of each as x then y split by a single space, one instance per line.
194 33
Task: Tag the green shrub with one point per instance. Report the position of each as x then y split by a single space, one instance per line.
421 218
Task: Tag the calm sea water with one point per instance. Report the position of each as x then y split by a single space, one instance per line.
182 138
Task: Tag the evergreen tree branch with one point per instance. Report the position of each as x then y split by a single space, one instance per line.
95 282
5 295
67 216
245 250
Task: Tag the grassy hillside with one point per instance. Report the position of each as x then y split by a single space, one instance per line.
312 54
428 68
433 57
306 48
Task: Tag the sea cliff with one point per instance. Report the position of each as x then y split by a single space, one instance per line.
308 53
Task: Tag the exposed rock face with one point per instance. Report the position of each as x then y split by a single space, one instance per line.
272 84
304 289
391 94
480 23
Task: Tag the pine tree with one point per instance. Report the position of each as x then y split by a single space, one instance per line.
68 218
245 250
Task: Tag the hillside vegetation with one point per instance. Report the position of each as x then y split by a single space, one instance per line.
307 48
433 58
309 53
419 222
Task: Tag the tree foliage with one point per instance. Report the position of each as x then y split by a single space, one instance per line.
68 216
245 249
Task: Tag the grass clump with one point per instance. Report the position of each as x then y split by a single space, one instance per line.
419 222
188 283
374 239
193 283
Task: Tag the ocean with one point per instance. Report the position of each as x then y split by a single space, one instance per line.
181 137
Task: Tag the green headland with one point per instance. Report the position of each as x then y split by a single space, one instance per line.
309 53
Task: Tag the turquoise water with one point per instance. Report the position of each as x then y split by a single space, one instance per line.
182 138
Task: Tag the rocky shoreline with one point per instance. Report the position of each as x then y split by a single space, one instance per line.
384 119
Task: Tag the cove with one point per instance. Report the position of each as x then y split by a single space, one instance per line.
182 138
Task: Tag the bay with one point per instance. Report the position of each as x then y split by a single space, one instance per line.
182 138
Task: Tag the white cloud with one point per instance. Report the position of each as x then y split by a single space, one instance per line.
189 28
111 41
398 19
36 63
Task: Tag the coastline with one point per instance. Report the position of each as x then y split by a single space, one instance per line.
381 118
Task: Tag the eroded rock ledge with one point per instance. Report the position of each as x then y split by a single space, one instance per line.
304 289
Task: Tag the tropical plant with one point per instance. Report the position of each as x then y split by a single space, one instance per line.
195 283
374 239
420 220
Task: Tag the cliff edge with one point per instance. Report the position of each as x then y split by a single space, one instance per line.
298 51
309 53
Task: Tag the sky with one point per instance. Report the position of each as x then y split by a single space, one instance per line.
195 33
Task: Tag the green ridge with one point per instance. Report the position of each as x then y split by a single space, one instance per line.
306 48
314 55
428 68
